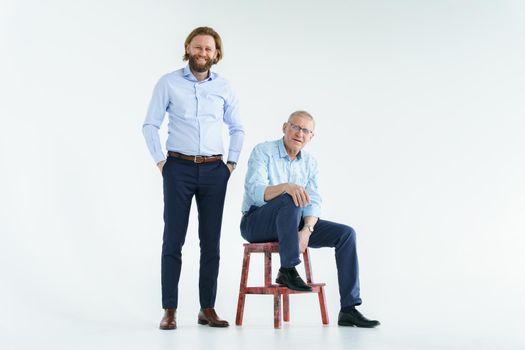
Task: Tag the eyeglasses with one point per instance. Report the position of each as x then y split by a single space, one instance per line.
297 128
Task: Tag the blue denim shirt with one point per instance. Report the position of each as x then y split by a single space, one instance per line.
270 165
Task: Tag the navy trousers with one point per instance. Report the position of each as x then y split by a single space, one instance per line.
279 220
184 179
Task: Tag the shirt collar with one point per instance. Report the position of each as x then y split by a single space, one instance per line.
189 75
282 150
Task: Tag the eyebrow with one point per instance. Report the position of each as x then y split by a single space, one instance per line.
302 127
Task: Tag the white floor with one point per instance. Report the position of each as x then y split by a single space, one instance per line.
291 336
108 306
412 328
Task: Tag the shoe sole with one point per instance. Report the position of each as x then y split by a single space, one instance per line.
345 324
204 323
167 328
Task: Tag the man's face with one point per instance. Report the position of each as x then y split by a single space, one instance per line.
297 133
202 52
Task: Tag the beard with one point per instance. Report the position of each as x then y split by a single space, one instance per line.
198 67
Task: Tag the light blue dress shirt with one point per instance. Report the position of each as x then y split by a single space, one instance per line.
196 110
270 165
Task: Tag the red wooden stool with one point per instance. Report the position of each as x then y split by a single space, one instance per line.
275 289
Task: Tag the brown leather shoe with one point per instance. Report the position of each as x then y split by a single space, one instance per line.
209 317
169 320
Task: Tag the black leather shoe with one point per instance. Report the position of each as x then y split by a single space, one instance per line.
355 318
291 279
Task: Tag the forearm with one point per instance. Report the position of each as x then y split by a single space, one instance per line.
306 232
310 220
298 193
274 191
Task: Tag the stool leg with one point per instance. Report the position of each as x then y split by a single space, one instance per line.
307 265
267 269
286 307
322 305
276 310
242 288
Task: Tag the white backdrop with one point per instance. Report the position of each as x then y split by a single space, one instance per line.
420 139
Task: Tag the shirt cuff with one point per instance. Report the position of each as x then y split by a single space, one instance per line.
158 156
233 156
312 211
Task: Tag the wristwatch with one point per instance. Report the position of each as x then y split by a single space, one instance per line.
233 164
310 228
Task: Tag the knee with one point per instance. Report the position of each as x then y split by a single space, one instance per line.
287 202
348 234
286 199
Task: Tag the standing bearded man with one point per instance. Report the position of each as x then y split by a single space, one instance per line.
198 102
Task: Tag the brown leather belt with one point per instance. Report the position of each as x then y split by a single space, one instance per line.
195 159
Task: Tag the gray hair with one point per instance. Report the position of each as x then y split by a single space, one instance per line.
303 114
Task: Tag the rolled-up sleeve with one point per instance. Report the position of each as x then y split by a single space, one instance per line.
154 117
257 176
314 208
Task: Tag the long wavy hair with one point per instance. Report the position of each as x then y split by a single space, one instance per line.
204 31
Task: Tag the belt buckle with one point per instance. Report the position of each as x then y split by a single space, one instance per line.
201 158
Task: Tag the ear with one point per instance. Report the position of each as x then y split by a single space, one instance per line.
284 128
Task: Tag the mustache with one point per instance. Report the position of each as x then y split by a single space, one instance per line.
201 67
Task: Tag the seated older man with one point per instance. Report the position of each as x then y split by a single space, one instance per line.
282 203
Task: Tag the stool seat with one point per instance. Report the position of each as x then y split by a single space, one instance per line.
278 291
